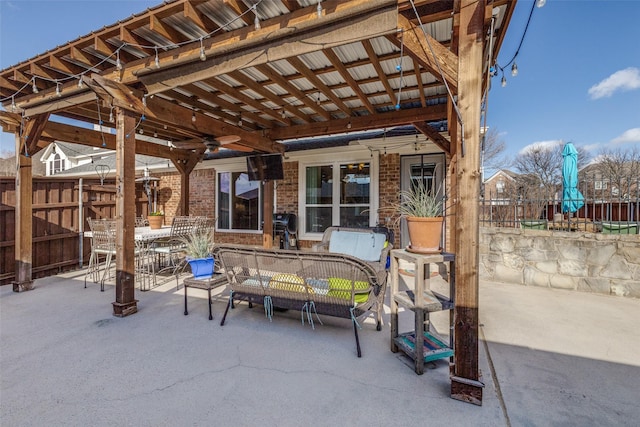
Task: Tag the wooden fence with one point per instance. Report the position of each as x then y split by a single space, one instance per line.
61 207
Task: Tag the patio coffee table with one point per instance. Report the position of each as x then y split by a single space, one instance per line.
218 279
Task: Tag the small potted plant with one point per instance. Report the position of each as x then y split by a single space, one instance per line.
156 219
198 247
423 209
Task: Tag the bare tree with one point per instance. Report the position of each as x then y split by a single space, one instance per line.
493 149
621 168
540 170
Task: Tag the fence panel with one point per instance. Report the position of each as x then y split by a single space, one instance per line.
56 222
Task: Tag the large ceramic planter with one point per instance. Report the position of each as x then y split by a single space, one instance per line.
424 234
201 268
155 221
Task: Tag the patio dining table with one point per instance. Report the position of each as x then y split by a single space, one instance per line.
144 238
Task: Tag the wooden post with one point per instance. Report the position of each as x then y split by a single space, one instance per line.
465 381
267 221
125 303
24 220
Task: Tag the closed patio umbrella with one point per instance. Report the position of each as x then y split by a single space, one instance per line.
572 199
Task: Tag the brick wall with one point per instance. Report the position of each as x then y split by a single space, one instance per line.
287 189
389 188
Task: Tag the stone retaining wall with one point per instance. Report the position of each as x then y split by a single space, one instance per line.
589 262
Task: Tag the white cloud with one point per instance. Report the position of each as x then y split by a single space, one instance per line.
623 80
631 135
592 147
540 145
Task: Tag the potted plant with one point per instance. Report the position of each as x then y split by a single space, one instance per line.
198 247
156 219
423 209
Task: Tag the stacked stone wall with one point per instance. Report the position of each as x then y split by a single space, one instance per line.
605 264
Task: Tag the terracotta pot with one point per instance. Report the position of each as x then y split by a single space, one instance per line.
424 234
155 221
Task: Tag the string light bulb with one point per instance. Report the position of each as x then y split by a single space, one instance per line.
118 63
203 56
111 114
256 21
240 119
34 87
503 82
193 116
13 104
319 9
283 114
318 100
349 125
80 84
541 3
157 59
58 92
514 69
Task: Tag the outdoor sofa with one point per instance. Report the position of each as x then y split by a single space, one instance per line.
315 283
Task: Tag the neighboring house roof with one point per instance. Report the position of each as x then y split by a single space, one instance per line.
8 166
502 172
109 160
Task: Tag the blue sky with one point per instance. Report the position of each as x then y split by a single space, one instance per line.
579 65
578 76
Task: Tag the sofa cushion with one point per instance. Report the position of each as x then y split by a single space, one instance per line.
364 245
341 288
289 282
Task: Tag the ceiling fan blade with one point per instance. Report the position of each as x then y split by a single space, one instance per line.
227 139
238 147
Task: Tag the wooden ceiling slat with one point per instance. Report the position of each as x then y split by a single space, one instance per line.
284 83
379 71
37 70
64 66
266 93
166 31
319 84
418 73
240 9
233 92
224 104
351 82
200 19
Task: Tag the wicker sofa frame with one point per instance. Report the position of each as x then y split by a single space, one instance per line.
313 282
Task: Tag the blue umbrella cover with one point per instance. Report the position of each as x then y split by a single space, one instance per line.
572 199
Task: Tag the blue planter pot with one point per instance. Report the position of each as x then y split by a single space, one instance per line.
202 268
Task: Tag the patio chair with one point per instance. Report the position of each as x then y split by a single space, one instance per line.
103 244
141 221
169 252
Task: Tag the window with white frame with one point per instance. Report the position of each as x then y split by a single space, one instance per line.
336 194
56 164
239 202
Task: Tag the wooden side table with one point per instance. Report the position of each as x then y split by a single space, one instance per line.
217 280
421 344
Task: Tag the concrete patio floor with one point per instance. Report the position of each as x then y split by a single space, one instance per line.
548 357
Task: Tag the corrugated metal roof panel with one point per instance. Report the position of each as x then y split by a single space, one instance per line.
315 60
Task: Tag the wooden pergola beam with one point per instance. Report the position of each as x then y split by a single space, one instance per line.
434 136
373 121
430 53
465 378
